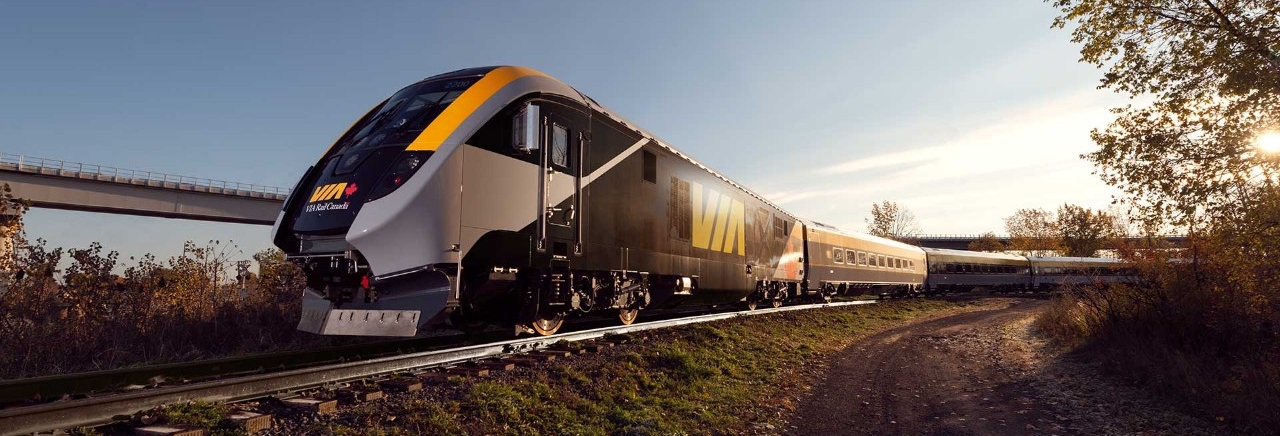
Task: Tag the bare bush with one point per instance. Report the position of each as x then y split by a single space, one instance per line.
85 315
1198 325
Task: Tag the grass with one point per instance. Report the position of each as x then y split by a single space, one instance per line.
200 414
715 378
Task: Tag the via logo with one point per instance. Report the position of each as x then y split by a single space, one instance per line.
334 191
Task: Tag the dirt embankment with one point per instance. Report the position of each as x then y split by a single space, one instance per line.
977 373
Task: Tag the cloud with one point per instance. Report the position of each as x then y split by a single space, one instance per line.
1029 157
1054 132
883 160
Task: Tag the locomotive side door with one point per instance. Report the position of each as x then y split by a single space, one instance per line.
560 202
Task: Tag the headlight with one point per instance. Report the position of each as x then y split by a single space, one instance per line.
406 164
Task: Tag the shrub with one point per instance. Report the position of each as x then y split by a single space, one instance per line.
70 310
1199 326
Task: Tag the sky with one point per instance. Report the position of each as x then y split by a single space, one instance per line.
961 111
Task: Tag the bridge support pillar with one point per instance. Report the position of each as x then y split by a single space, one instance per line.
10 225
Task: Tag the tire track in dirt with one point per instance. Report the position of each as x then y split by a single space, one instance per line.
939 377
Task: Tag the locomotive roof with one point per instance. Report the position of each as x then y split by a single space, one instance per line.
593 104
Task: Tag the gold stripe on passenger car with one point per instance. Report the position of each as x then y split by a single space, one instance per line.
458 111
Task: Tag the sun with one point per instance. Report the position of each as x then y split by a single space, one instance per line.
1268 142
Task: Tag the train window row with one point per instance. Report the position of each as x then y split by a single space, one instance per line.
1083 271
975 268
862 258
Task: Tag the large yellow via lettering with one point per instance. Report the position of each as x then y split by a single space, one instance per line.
703 219
718 222
736 232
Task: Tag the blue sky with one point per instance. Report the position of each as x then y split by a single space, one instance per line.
962 111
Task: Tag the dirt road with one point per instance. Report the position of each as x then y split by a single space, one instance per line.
975 373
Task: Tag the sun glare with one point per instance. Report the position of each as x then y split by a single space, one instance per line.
1268 142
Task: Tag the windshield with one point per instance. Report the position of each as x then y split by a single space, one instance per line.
405 114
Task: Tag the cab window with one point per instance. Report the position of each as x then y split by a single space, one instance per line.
559 146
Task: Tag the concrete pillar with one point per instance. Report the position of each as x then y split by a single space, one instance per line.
10 222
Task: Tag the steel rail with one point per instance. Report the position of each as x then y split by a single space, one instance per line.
16 391
92 411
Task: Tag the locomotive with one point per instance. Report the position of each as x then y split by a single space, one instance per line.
500 195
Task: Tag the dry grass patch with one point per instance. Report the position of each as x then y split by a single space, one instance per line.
736 376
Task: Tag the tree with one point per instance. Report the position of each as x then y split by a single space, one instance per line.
1032 231
1192 157
1084 231
1212 70
891 220
987 242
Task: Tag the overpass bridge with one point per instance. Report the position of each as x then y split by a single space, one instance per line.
57 184
961 242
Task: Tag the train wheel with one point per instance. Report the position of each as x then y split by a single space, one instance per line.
628 316
547 326
776 303
752 304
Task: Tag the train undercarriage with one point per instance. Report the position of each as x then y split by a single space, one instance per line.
345 298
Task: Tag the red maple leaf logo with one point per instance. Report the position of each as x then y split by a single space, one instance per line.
351 189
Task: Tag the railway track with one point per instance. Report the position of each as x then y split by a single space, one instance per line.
90 411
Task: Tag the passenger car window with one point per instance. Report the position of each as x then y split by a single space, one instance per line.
839 255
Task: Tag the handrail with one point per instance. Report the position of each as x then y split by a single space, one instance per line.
39 165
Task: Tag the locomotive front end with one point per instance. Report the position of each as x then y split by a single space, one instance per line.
374 224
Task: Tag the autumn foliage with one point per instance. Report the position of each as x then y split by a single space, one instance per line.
1201 326
72 310
893 221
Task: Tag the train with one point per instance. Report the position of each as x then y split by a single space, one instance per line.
500 195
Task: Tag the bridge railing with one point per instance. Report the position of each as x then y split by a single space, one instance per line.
956 236
77 170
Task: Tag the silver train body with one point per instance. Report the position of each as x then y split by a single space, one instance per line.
500 195
960 270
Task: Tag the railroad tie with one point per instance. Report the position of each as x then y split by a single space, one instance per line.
402 385
474 372
530 360
497 365
597 347
359 395
250 422
566 350
433 377
313 405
